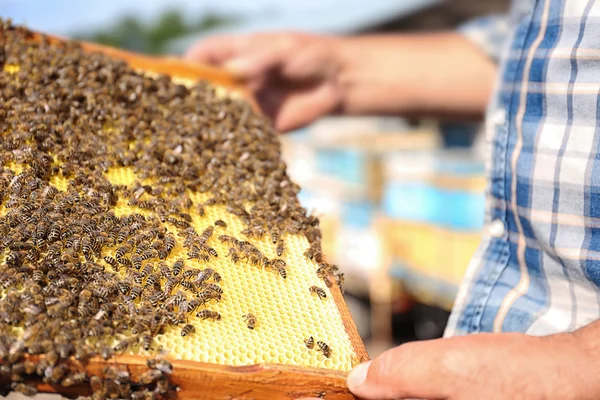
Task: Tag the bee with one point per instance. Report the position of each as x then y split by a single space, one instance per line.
149 254
76 378
274 236
213 288
339 278
137 277
220 223
185 216
148 268
324 348
192 305
152 280
82 352
121 251
206 296
208 314
189 285
136 261
135 292
280 248
123 287
123 234
26 389
278 263
160 364
188 329
151 376
227 240
310 342
216 277
281 271
111 261
146 342
54 233
318 291
177 266
178 222
169 243
204 275
200 210
125 344
250 320
211 251
206 234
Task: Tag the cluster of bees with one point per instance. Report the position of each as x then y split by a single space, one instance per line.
75 276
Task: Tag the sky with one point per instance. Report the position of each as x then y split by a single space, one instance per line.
67 16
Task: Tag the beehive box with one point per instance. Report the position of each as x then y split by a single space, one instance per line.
142 218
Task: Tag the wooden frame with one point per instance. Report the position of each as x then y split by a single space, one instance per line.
213 381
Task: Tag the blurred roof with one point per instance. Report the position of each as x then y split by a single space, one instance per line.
344 16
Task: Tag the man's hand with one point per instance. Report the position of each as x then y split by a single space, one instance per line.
299 77
485 366
294 76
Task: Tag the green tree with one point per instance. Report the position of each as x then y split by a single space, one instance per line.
131 34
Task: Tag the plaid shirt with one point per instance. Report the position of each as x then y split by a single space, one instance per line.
538 267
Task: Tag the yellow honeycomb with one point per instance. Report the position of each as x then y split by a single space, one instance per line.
287 313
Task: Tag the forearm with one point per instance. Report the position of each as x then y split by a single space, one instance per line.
439 74
582 364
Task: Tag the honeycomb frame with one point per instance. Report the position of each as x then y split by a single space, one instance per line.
208 380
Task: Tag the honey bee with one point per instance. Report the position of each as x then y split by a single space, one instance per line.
204 275
121 251
206 234
76 378
187 330
160 364
146 341
282 272
318 291
148 268
280 248
200 210
211 251
177 267
227 240
111 261
206 296
220 223
125 344
123 287
136 261
310 342
26 389
169 243
324 348
213 288
151 376
216 277
250 320
208 314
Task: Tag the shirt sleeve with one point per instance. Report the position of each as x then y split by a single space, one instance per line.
488 33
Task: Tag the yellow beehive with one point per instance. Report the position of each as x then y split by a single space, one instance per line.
287 312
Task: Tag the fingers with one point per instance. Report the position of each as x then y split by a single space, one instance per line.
292 109
214 50
245 55
407 371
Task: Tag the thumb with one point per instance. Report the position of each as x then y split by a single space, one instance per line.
407 371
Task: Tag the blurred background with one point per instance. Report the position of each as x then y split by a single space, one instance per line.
401 201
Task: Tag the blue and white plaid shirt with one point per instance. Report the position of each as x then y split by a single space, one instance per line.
538 267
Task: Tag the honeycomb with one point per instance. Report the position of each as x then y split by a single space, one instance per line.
287 313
